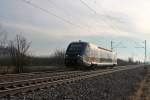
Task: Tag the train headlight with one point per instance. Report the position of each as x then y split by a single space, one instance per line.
66 55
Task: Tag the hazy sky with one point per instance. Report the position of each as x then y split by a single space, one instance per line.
58 22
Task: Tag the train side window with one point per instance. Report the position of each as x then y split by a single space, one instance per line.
87 51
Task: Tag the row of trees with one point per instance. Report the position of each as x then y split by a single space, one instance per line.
17 50
3 37
55 59
19 55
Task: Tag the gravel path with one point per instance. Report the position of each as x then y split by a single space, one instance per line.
116 86
143 92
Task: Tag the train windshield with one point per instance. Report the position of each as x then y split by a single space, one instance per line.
77 48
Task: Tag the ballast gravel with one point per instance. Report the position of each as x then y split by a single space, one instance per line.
115 86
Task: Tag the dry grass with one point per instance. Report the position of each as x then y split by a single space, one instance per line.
7 69
143 93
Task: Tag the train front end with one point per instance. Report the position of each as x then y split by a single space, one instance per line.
74 54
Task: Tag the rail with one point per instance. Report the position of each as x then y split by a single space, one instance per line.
23 86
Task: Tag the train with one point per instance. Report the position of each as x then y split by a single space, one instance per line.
87 55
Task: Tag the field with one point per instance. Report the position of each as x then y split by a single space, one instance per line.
11 69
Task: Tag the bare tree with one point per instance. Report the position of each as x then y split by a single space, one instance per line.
59 53
4 61
18 49
3 37
58 56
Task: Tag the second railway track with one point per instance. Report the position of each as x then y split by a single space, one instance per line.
23 86
24 76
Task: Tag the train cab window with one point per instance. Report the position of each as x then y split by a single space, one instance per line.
87 51
75 47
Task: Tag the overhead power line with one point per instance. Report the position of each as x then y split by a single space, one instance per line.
89 9
95 12
47 11
88 6
116 46
145 51
55 15
52 3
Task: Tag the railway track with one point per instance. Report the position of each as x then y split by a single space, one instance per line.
23 86
23 76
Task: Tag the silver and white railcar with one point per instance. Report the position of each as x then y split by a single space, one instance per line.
85 54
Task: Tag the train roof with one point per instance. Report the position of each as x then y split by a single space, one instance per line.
80 42
93 45
105 49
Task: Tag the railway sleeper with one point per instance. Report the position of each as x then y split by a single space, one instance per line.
49 80
27 84
53 79
36 87
12 86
